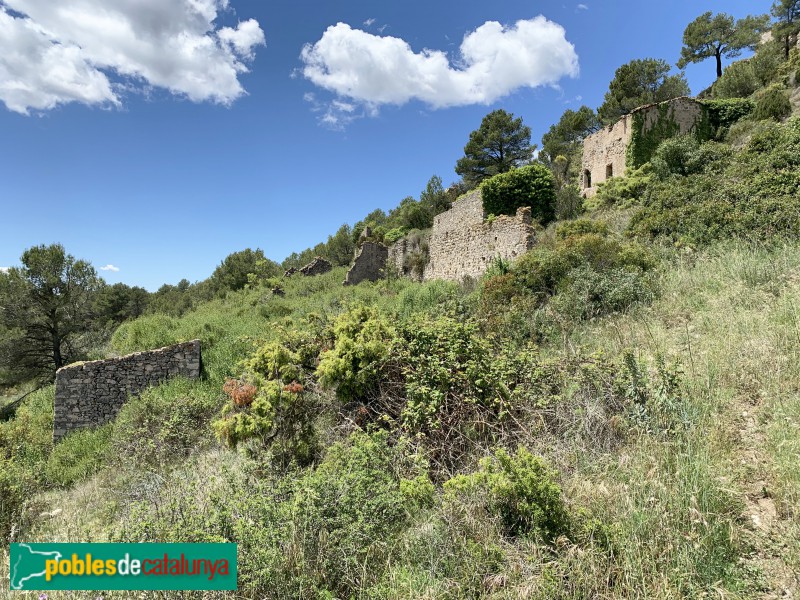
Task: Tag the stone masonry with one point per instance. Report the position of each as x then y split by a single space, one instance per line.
463 244
91 393
605 152
369 264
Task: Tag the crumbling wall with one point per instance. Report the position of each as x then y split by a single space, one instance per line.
463 245
408 256
91 393
608 153
369 264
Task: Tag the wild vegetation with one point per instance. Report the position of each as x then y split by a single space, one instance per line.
615 414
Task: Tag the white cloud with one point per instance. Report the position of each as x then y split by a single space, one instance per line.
583 7
110 268
494 61
4 269
77 50
369 22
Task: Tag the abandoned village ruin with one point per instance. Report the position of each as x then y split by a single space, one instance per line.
462 243
608 153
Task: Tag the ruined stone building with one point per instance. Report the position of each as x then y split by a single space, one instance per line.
630 141
462 243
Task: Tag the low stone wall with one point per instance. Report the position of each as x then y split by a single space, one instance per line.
91 393
369 264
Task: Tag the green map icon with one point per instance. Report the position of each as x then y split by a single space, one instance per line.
27 565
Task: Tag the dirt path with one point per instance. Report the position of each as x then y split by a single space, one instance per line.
766 530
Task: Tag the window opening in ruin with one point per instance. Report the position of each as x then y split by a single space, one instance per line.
609 171
587 178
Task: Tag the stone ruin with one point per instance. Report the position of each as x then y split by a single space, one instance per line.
89 394
463 243
605 152
318 266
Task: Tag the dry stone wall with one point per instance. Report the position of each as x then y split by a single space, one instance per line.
463 244
369 264
91 393
605 152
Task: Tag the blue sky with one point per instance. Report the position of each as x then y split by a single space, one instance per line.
159 136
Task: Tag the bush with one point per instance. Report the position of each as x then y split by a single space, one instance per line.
621 192
531 185
17 485
166 422
726 112
362 346
580 227
79 455
738 81
520 490
772 103
684 155
569 202
347 511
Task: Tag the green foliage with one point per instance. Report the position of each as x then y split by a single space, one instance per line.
391 236
750 194
79 455
362 346
17 485
348 510
645 142
787 12
531 185
738 80
718 36
724 113
47 317
561 145
586 275
497 146
164 423
772 103
117 303
637 83
580 227
684 155
569 202
519 489
240 268
621 192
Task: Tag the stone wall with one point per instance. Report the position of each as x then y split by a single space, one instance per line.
605 152
91 393
462 244
369 264
408 255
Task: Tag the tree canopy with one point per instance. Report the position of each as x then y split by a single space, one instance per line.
499 144
46 312
719 36
640 82
561 144
787 12
233 273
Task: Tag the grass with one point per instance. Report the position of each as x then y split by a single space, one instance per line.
665 512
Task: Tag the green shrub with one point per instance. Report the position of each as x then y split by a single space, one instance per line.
391 236
145 333
748 194
347 511
580 227
362 346
27 438
621 192
723 113
166 422
772 103
79 455
17 486
684 155
520 490
738 81
569 202
531 185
